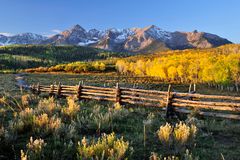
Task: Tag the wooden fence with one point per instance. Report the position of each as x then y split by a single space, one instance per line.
171 102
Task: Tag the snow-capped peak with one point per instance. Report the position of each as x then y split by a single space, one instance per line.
77 28
157 32
123 35
130 39
30 36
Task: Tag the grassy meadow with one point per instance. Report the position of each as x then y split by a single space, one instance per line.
69 129
17 57
41 127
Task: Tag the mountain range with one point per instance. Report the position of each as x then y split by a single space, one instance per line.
145 39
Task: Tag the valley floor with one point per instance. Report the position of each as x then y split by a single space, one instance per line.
215 139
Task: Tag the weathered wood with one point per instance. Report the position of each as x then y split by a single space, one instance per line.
118 94
98 94
101 88
55 90
142 103
169 101
79 91
70 89
38 89
59 89
142 90
143 94
97 91
190 88
70 92
140 98
168 95
220 108
51 93
178 94
207 103
169 106
98 98
41 86
34 87
210 114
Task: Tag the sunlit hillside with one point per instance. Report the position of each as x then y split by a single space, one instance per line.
216 65
17 57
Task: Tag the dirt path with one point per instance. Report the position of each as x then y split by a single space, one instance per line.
21 82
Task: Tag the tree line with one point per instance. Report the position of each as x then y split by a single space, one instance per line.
215 66
30 56
75 67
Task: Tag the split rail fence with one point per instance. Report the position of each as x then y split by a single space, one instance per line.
172 102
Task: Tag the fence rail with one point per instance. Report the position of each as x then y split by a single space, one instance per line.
171 102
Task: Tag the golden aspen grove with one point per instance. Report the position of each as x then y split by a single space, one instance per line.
219 65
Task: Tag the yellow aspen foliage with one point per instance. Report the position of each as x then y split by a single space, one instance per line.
172 72
102 66
220 65
181 72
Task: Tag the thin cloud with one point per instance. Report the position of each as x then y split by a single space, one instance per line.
51 33
48 35
56 31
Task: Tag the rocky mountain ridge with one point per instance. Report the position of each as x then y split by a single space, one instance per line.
126 40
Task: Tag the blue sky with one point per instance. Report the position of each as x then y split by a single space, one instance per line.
48 16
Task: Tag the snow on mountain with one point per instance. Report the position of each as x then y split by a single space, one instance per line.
87 43
158 33
3 39
24 38
130 39
123 35
94 34
6 34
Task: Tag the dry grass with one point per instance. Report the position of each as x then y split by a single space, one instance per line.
164 134
34 149
62 132
177 138
72 108
106 147
184 133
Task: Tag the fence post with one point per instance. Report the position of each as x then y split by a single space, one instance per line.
118 94
134 85
21 89
190 88
79 90
33 89
38 89
169 107
194 87
59 89
51 93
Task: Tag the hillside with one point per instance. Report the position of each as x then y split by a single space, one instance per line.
216 65
29 56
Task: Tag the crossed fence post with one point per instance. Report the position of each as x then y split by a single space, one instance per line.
79 90
170 112
118 94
